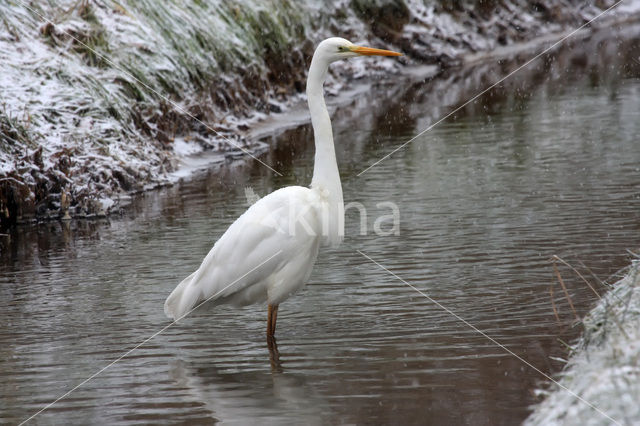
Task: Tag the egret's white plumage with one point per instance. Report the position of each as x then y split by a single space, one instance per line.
244 255
268 253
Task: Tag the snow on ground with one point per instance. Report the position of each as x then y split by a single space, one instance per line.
102 99
605 367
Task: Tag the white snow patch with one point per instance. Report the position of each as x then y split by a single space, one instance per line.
189 165
628 7
106 203
605 369
183 147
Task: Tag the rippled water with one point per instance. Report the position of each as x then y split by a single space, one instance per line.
548 164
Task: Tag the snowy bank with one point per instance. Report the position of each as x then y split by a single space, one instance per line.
605 367
100 99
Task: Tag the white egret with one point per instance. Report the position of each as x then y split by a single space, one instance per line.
268 253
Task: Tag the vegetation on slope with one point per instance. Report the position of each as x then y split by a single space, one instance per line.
94 94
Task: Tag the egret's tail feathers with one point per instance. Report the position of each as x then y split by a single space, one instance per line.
178 303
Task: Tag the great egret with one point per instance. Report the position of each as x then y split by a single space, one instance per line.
268 253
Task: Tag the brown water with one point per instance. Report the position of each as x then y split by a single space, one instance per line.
548 164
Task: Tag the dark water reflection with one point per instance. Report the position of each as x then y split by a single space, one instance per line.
547 164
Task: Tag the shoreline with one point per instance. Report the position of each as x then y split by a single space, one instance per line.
192 153
192 166
603 368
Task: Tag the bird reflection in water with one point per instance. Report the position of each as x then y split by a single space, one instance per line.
226 393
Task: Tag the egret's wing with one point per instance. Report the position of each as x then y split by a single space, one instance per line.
253 249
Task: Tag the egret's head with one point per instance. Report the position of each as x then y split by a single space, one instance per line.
336 48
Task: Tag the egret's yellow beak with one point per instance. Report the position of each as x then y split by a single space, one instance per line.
369 51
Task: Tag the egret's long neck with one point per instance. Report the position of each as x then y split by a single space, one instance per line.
325 172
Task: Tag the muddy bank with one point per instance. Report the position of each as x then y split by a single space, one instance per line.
104 99
604 368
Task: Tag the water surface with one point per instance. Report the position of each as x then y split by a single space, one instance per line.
545 165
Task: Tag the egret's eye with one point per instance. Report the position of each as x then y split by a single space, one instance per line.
342 49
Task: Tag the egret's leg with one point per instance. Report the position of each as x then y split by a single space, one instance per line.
271 320
274 354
